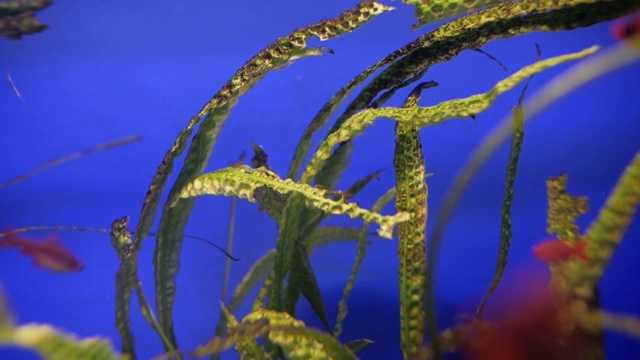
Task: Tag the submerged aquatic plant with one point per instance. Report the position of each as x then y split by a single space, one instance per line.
300 204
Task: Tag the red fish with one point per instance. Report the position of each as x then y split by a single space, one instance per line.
626 29
555 251
48 254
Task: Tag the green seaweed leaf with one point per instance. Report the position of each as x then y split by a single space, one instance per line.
247 347
52 343
314 218
429 11
298 341
411 197
423 116
301 343
123 306
125 281
330 234
291 230
330 174
258 273
261 298
615 216
361 252
240 336
607 230
151 319
564 209
304 278
242 181
220 329
505 223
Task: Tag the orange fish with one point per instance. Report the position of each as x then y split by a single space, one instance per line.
626 29
555 251
48 254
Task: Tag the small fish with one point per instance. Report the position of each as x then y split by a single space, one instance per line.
48 254
553 251
623 30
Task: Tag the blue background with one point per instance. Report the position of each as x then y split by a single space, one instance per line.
107 69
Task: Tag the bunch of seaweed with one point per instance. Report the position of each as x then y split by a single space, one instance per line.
302 199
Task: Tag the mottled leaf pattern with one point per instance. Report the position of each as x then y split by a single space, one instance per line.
428 11
242 181
125 281
564 209
606 232
298 341
579 279
411 197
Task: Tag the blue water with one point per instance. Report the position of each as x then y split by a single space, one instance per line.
106 70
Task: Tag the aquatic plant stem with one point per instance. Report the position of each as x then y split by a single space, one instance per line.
227 265
107 231
75 155
151 319
222 322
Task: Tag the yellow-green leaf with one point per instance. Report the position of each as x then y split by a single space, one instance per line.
242 181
